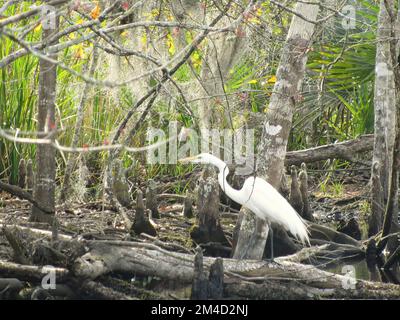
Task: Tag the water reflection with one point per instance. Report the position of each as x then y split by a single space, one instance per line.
365 272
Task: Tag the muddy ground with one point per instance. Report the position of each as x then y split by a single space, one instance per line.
343 198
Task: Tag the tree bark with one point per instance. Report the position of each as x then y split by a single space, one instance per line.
278 121
377 204
387 108
44 190
209 227
384 99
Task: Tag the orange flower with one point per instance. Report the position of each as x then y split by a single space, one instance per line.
95 13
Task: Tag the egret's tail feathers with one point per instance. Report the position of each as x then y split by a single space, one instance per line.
301 232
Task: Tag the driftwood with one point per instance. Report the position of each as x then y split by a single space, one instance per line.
244 278
343 150
288 278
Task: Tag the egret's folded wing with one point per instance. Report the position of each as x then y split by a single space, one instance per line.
274 207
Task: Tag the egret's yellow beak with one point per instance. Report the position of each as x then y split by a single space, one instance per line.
186 160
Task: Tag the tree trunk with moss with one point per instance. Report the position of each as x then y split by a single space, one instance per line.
278 122
385 119
387 86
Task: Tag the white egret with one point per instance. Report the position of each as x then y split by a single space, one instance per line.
260 197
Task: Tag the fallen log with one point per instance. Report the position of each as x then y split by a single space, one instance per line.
342 150
244 278
29 273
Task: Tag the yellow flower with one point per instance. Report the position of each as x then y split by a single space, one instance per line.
272 79
155 12
143 39
79 53
38 27
170 44
196 59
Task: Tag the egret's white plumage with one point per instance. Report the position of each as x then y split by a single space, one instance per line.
258 196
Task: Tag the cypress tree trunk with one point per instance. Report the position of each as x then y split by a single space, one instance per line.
44 190
272 148
384 102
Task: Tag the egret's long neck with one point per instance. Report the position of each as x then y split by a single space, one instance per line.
223 173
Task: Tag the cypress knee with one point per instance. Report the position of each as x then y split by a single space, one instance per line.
295 194
120 185
151 199
21 173
200 282
306 210
188 207
142 223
